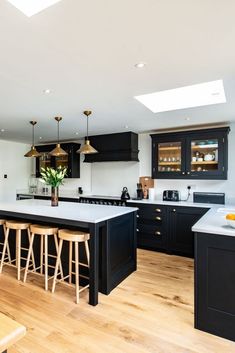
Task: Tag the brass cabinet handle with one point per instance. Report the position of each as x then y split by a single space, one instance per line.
158 218
137 216
137 230
174 210
158 210
158 233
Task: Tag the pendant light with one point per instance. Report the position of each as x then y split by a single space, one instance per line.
87 148
33 152
58 151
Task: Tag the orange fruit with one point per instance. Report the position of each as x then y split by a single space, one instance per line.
230 216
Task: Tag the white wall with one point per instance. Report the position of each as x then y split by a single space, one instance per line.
16 166
108 178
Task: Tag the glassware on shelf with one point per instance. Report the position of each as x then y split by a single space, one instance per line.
33 184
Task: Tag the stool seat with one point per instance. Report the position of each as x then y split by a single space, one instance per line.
17 225
2 221
43 229
73 235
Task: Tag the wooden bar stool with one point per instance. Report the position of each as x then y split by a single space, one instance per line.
44 231
3 224
18 227
73 237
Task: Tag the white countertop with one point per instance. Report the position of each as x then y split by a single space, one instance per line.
66 210
214 221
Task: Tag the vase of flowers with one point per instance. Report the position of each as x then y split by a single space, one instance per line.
54 178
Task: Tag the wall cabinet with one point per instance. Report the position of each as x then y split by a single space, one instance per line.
71 161
198 154
167 228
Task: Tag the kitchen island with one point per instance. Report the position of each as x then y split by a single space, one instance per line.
215 273
112 236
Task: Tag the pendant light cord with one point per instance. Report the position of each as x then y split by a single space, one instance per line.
87 128
33 136
58 133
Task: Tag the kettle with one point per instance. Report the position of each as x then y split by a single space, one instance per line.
125 194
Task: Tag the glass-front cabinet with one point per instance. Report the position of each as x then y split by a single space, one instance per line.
169 157
198 154
71 161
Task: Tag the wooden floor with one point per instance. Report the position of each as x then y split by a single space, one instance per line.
151 311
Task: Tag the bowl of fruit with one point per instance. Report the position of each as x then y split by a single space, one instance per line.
230 217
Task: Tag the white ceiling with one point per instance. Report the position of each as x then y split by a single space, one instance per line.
85 52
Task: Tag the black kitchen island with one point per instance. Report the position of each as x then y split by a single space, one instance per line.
112 236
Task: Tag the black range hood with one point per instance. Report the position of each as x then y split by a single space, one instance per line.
118 147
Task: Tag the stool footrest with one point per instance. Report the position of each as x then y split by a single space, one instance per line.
81 263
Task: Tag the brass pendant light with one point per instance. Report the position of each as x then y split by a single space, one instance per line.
58 151
33 152
87 148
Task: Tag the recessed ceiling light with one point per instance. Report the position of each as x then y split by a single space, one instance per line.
2 130
47 91
184 97
31 7
140 65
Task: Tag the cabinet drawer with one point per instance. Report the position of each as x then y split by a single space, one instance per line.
150 229
151 241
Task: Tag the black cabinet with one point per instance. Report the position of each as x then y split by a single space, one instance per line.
70 161
215 284
167 228
151 226
121 146
181 220
198 154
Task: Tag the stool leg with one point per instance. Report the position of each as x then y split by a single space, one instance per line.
87 252
28 257
57 265
18 252
41 254
8 247
4 249
46 261
77 272
33 260
56 247
70 261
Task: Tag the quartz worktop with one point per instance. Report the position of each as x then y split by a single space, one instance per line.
66 210
172 203
214 221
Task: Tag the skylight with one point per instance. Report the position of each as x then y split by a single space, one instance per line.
31 7
198 95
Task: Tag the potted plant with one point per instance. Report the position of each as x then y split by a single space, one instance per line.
54 178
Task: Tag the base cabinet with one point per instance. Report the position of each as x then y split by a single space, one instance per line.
215 284
167 228
181 220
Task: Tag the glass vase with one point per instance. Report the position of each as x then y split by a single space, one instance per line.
54 196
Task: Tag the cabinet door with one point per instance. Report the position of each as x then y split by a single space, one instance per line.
205 157
181 237
168 158
44 161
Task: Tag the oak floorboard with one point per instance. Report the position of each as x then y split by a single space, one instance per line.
150 312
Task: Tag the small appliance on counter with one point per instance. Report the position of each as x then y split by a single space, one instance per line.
209 197
139 192
171 195
125 194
